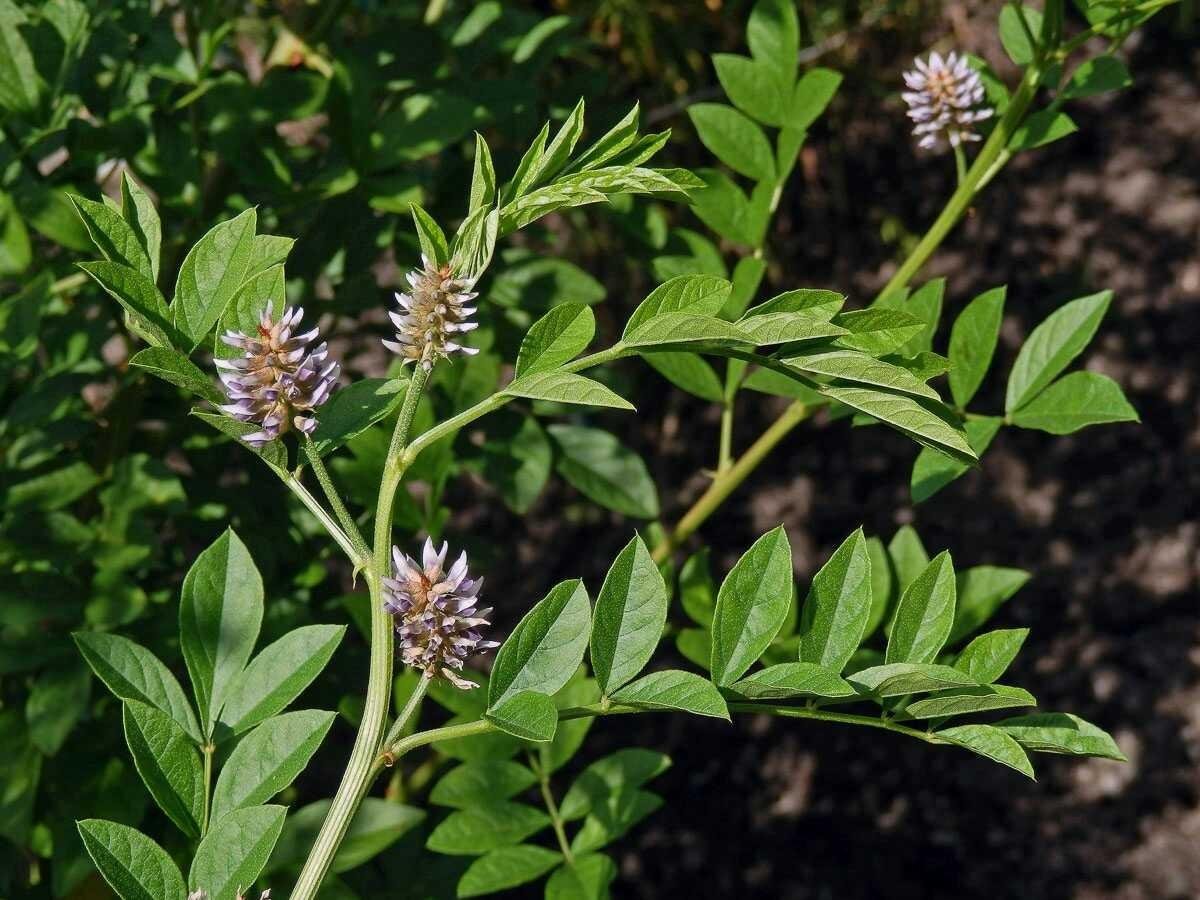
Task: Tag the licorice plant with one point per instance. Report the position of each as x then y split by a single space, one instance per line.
883 636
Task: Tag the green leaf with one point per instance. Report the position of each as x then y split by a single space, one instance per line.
973 342
235 851
556 338
764 329
673 689
924 614
684 328
579 691
964 701
588 879
992 743
546 647
987 657
133 865
604 470
139 211
773 33
172 366
688 372
132 672
528 715
273 453
142 301
475 831
268 759
1076 401
1097 76
908 556
881 585
724 207
860 368
734 139
981 590
701 295
813 93
835 613
505 868
819 304
751 605
565 387
697 593
430 236
932 470
877 331
561 147
244 310
375 827
795 679
1061 733
752 86
277 675
1042 127
266 252
20 85
618 772
474 783
355 408
613 819
220 612
166 758
898 679
908 416
211 273
628 621
55 704
1013 33
113 236
516 458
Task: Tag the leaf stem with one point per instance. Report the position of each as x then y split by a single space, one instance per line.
360 770
556 819
349 526
359 558
207 750
414 700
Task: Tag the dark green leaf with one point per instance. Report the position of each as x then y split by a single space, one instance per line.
972 343
588 879
172 366
796 679
734 139
813 93
145 306
992 743
860 368
475 783
604 470
1097 76
475 831
621 771
878 330
1043 127
981 590
925 426
114 237
56 702
556 338
430 236
375 827
628 621
354 409
932 470
690 373
505 868
988 656
924 615
135 866
752 86
167 759
613 819
235 851
528 715
835 613
773 33
211 273
139 211
545 648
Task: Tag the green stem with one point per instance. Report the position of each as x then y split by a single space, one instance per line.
960 163
69 283
349 526
360 770
414 700
208 750
556 819
359 558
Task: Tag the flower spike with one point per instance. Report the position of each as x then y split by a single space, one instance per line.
432 314
944 100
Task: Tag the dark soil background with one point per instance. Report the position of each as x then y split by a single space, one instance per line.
1106 521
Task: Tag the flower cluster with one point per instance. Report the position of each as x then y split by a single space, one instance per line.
278 381
437 622
943 99
431 314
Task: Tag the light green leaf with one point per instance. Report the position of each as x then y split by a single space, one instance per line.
734 139
174 367
235 851
764 329
992 743
981 590
244 311
267 251
133 865
167 759
881 585
211 273
628 621
588 879
752 86
697 593
673 689
132 672
860 368
1061 733
973 342
908 556
139 211
1015 35
556 338
142 301
795 679
528 715
1042 127
724 207
701 295
546 647
925 303
819 304
1076 401
813 93
565 387
964 701
430 236
355 408
277 675
835 613
906 415
684 328
751 605
114 237
614 142
604 470
688 372
268 759
479 829
987 657
773 33
1097 76
506 868
220 612
898 679
20 84
475 783
924 614
932 470
877 331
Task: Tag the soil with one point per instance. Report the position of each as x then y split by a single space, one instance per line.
776 809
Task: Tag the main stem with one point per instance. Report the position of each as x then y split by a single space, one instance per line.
360 769
556 819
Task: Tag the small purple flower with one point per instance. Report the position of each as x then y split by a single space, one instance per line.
278 381
943 97
431 314
435 613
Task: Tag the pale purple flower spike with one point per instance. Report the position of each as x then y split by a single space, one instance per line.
278 382
431 314
435 613
943 99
